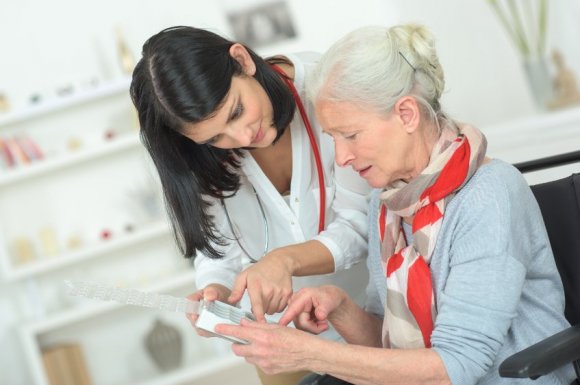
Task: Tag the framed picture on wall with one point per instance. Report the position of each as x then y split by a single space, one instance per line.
261 23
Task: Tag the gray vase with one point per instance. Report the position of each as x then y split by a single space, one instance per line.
164 345
536 69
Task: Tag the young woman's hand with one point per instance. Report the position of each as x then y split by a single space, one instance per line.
213 292
310 308
269 285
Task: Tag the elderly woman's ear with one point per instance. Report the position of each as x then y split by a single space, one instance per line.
408 112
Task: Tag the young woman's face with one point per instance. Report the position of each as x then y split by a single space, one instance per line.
244 120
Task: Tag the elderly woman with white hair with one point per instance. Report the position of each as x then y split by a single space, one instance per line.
462 274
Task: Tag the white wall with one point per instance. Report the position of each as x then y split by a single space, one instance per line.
47 45
484 81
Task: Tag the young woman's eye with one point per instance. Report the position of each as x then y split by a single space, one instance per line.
237 111
213 140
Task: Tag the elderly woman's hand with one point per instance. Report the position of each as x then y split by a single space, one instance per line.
269 285
273 348
310 308
213 292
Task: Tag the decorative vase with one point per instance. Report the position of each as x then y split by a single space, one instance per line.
125 56
4 105
164 345
536 69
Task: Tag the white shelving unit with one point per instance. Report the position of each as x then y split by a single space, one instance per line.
47 265
74 159
153 239
65 102
187 375
92 308
31 332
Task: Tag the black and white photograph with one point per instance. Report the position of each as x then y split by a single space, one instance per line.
262 25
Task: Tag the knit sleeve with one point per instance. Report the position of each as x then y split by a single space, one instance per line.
485 277
376 288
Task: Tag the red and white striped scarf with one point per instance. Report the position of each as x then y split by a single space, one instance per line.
410 308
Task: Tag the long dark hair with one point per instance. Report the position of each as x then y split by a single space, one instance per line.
183 77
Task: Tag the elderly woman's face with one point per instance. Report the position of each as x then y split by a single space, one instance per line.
379 148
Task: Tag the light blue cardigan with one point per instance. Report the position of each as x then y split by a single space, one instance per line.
496 286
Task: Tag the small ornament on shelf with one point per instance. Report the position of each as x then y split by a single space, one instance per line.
145 204
48 243
106 234
566 92
18 150
65 364
65 90
526 23
6 157
109 135
18 155
30 148
74 242
87 84
164 345
125 56
4 104
23 250
94 82
74 144
35 98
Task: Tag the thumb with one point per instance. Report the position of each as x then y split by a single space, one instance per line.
238 288
210 293
321 314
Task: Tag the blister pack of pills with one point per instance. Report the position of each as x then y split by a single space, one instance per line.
215 312
133 297
210 313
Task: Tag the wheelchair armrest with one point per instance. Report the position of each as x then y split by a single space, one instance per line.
545 356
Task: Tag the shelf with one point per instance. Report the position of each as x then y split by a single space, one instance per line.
37 168
83 312
63 102
195 372
51 122
539 128
535 136
537 123
105 247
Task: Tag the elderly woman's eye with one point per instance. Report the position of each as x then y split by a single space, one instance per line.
351 136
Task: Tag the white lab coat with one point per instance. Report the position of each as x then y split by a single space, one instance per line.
294 218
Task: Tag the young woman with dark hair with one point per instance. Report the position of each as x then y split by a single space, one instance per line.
248 177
